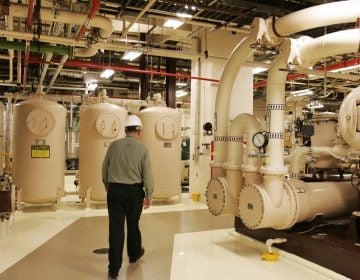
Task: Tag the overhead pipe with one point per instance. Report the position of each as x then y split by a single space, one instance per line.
142 12
61 65
37 47
316 16
320 71
80 64
9 22
48 57
26 63
92 13
103 23
30 14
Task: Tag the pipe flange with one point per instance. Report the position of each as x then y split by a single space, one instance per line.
217 196
293 209
251 206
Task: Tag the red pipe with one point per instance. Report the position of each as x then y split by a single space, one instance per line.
79 63
94 10
30 15
335 66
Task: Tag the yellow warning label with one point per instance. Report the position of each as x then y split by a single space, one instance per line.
40 151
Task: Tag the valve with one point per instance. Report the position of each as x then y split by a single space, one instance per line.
270 255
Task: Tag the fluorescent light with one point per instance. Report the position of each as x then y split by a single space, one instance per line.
181 93
315 104
131 55
107 73
302 92
91 84
173 23
184 15
258 70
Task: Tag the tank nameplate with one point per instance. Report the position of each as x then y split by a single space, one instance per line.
40 151
40 122
108 125
167 145
167 128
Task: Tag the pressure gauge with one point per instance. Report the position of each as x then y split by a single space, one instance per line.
108 125
260 139
40 122
167 128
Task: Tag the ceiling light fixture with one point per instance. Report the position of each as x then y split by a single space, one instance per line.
131 55
91 84
302 92
107 73
315 104
184 15
258 70
173 23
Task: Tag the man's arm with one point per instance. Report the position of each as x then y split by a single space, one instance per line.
105 167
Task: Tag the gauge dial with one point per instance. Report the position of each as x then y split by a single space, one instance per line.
40 122
167 128
260 139
108 125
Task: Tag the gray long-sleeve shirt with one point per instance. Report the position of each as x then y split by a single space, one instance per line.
127 161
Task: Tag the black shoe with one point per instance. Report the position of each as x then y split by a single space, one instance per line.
133 260
112 276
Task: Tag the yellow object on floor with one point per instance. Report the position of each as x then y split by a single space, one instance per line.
270 257
195 197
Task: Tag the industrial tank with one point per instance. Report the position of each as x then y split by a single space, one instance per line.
161 134
100 124
39 150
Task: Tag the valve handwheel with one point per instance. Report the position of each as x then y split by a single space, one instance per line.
355 179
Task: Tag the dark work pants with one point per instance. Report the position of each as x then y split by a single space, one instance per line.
124 201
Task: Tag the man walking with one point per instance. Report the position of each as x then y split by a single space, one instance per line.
128 179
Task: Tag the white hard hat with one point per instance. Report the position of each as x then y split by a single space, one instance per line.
133 120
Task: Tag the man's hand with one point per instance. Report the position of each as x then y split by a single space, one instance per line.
147 203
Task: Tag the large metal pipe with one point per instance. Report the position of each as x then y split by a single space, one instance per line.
103 23
37 47
79 63
316 16
92 13
61 65
237 58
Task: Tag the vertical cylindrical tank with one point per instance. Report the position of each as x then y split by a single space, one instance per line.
161 134
100 124
39 150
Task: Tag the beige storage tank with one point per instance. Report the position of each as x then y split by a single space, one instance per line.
100 124
39 150
161 134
